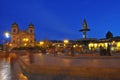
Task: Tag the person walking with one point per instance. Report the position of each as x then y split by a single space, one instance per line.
102 51
108 50
72 51
13 58
31 58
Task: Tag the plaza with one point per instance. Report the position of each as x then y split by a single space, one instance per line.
71 68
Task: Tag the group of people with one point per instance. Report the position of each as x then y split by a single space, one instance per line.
105 52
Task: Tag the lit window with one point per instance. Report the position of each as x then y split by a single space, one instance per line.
25 39
25 44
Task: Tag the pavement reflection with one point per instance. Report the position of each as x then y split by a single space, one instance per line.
9 73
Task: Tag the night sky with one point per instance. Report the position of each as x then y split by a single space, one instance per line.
61 19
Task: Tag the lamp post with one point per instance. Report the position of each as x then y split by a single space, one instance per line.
66 42
7 35
41 43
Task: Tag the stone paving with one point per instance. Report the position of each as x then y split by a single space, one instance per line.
60 67
86 61
6 72
71 68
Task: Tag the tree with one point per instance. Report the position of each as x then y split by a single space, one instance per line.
109 35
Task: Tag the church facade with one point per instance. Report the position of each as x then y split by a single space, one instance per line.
22 38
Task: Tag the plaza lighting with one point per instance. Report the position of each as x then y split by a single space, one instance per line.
74 46
118 44
58 45
25 39
66 41
95 45
25 44
7 34
41 42
91 45
106 45
10 44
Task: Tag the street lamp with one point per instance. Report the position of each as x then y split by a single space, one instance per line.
65 42
7 35
41 43
5 46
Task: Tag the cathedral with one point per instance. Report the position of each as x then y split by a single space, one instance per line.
22 38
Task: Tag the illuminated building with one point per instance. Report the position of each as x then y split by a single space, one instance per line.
114 43
23 38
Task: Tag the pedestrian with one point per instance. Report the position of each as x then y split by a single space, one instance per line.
31 58
108 50
72 51
56 51
102 51
13 58
6 55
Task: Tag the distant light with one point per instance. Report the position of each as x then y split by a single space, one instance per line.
25 44
95 45
25 39
106 44
58 45
66 41
7 35
41 42
91 45
118 44
10 44
74 46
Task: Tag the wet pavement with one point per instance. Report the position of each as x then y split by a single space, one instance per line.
64 61
45 61
6 72
45 67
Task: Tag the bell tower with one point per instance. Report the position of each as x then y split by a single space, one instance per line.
15 28
31 34
14 34
31 28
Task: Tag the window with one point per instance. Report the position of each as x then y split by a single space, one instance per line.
13 36
14 30
31 41
31 31
13 41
